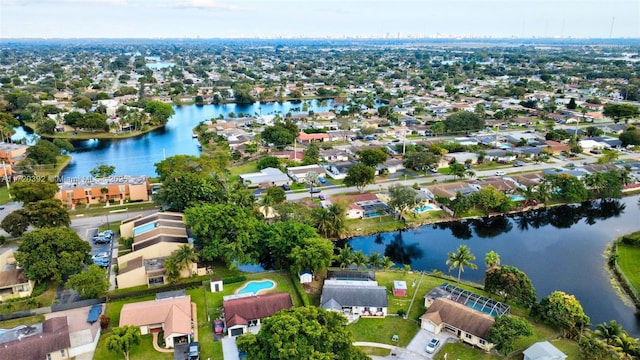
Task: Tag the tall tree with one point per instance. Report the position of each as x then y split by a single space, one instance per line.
511 283
608 332
311 155
360 259
52 254
402 198
32 191
47 214
506 330
313 254
302 333
458 260
90 284
563 311
360 175
15 223
123 339
344 258
372 157
185 255
492 259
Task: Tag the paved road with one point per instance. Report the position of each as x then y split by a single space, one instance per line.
555 163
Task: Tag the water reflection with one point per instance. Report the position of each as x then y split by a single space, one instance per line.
401 253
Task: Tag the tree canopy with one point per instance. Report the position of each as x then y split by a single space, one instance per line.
52 254
506 330
32 191
511 284
562 311
302 333
462 121
102 171
360 175
123 339
402 198
90 284
160 112
47 214
372 157
620 111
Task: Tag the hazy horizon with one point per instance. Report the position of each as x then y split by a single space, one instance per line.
380 19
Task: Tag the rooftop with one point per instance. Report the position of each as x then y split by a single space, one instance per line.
90 181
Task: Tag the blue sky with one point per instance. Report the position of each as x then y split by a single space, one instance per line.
311 18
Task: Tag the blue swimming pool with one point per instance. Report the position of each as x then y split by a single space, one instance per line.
479 308
254 287
517 198
424 208
146 227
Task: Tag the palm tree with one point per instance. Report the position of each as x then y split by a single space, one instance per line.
323 221
387 263
626 346
544 192
338 216
185 256
528 193
171 269
608 332
492 259
360 259
345 257
460 259
375 260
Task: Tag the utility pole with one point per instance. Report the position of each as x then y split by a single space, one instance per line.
6 179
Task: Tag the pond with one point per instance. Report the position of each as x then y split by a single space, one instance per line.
560 248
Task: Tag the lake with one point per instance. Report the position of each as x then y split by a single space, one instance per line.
560 248
137 156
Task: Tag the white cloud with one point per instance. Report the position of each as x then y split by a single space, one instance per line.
106 2
206 5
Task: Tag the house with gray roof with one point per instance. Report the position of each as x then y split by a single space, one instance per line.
355 298
268 176
46 340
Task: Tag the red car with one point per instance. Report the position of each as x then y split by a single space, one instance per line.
218 327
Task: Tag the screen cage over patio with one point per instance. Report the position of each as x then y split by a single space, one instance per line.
475 301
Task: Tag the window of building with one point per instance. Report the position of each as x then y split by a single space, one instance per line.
48 356
482 342
62 353
468 336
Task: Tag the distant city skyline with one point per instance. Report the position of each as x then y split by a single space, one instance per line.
319 19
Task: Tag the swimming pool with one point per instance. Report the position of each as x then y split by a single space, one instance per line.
146 227
480 308
254 287
517 198
424 208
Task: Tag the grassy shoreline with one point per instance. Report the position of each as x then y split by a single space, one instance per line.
623 263
80 135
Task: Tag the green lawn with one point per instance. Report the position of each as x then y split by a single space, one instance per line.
463 351
373 225
382 330
4 195
10 324
249 167
628 262
375 351
143 351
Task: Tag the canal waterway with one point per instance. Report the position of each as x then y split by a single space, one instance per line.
560 248
137 156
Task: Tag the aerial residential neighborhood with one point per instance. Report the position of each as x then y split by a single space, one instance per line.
257 180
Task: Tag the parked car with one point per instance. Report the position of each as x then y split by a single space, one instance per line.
102 254
286 187
322 180
500 173
322 197
218 327
518 163
194 351
432 345
315 190
102 262
101 240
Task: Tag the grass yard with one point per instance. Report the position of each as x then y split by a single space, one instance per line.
463 351
143 351
373 225
4 195
628 263
249 167
10 324
375 351
382 330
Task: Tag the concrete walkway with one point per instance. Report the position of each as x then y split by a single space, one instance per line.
194 310
154 335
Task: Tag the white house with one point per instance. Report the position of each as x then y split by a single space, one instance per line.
355 298
299 173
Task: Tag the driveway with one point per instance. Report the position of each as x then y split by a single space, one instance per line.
422 338
229 349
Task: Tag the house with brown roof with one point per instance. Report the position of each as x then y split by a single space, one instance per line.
13 282
469 325
242 312
46 340
172 315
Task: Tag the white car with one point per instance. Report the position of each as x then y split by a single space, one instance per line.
500 173
432 345
103 254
